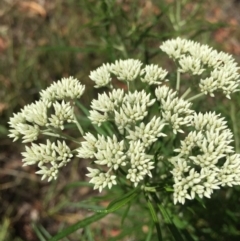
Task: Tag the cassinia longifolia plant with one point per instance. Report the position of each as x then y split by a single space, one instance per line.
141 116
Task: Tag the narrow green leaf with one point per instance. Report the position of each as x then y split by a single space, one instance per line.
125 213
155 219
120 202
45 232
82 107
173 229
89 234
187 235
38 233
152 211
76 226
150 232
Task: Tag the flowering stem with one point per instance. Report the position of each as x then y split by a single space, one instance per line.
63 136
235 128
186 93
128 86
78 125
178 14
195 97
178 81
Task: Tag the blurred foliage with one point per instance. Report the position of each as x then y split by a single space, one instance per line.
42 41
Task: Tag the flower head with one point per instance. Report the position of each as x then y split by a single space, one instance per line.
196 59
49 157
101 76
126 70
66 88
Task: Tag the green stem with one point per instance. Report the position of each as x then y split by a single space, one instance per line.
78 125
195 97
121 40
63 136
128 85
52 134
178 81
186 93
178 14
235 127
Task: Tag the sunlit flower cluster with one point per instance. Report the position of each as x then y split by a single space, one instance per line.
64 89
128 70
205 160
202 164
175 110
201 60
49 157
133 125
50 113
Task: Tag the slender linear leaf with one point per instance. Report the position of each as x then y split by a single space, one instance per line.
38 233
125 213
120 202
150 232
155 219
76 226
173 229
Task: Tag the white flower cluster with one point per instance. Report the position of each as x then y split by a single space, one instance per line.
64 89
101 76
206 160
29 121
63 112
138 122
49 157
114 154
127 70
153 74
197 59
124 109
34 119
137 130
174 110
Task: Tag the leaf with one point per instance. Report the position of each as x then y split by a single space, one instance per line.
125 213
120 202
173 229
38 233
155 219
99 130
82 107
150 232
76 226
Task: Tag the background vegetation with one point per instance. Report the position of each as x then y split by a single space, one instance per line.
42 41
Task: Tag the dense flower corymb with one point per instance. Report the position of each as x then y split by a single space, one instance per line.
46 116
198 59
146 132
